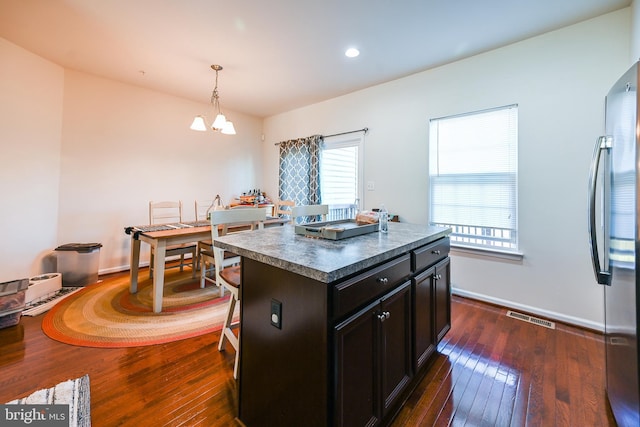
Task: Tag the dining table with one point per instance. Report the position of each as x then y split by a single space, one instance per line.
161 236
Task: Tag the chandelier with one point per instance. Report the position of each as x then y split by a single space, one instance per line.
220 124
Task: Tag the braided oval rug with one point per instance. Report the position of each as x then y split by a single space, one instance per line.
105 314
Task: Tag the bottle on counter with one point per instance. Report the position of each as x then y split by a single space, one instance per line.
383 220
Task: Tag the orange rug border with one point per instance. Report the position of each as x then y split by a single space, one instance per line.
52 332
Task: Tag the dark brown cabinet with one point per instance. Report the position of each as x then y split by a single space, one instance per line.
442 303
432 313
348 352
425 343
357 386
396 369
373 359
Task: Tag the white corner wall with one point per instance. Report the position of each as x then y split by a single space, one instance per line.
635 31
31 91
123 146
559 81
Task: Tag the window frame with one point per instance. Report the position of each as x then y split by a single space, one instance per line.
484 248
343 141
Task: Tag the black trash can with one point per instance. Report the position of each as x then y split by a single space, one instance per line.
78 263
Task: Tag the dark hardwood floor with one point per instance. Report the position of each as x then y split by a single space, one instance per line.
490 370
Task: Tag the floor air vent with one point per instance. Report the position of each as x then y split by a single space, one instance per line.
530 319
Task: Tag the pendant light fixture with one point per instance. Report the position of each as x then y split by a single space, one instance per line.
220 124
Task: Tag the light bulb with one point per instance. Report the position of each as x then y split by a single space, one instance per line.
228 128
199 124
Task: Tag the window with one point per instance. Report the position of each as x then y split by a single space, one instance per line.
341 175
473 177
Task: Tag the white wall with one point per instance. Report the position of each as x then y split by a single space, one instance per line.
82 156
559 81
31 91
123 146
635 31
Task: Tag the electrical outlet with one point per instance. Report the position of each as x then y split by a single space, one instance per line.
371 185
276 313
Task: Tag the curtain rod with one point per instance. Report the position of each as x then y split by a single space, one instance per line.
365 130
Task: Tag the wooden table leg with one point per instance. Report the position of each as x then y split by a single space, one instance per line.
135 265
158 275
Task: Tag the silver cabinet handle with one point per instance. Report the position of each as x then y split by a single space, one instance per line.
436 252
604 143
384 316
382 280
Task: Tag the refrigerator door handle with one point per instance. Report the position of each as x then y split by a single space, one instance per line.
602 276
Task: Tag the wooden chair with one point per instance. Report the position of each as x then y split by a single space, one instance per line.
309 213
283 208
201 207
207 266
201 210
168 213
228 277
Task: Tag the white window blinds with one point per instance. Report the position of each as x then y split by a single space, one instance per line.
473 176
341 175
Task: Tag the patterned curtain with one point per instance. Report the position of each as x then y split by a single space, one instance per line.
299 178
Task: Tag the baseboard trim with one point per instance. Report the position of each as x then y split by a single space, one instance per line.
119 269
571 320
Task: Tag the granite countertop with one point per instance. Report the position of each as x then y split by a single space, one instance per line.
328 260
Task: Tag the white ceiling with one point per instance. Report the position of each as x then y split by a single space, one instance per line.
277 54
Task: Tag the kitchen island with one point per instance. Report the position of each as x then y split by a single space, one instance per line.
337 333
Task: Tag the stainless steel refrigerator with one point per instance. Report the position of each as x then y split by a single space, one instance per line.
613 228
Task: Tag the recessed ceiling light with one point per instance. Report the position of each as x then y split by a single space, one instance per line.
352 52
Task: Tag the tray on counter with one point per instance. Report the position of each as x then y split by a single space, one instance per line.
335 230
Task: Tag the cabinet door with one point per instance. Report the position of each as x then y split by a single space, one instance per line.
396 350
425 341
442 298
357 345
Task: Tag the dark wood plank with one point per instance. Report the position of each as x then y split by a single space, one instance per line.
518 374
490 370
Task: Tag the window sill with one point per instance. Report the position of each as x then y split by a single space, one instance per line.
484 252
